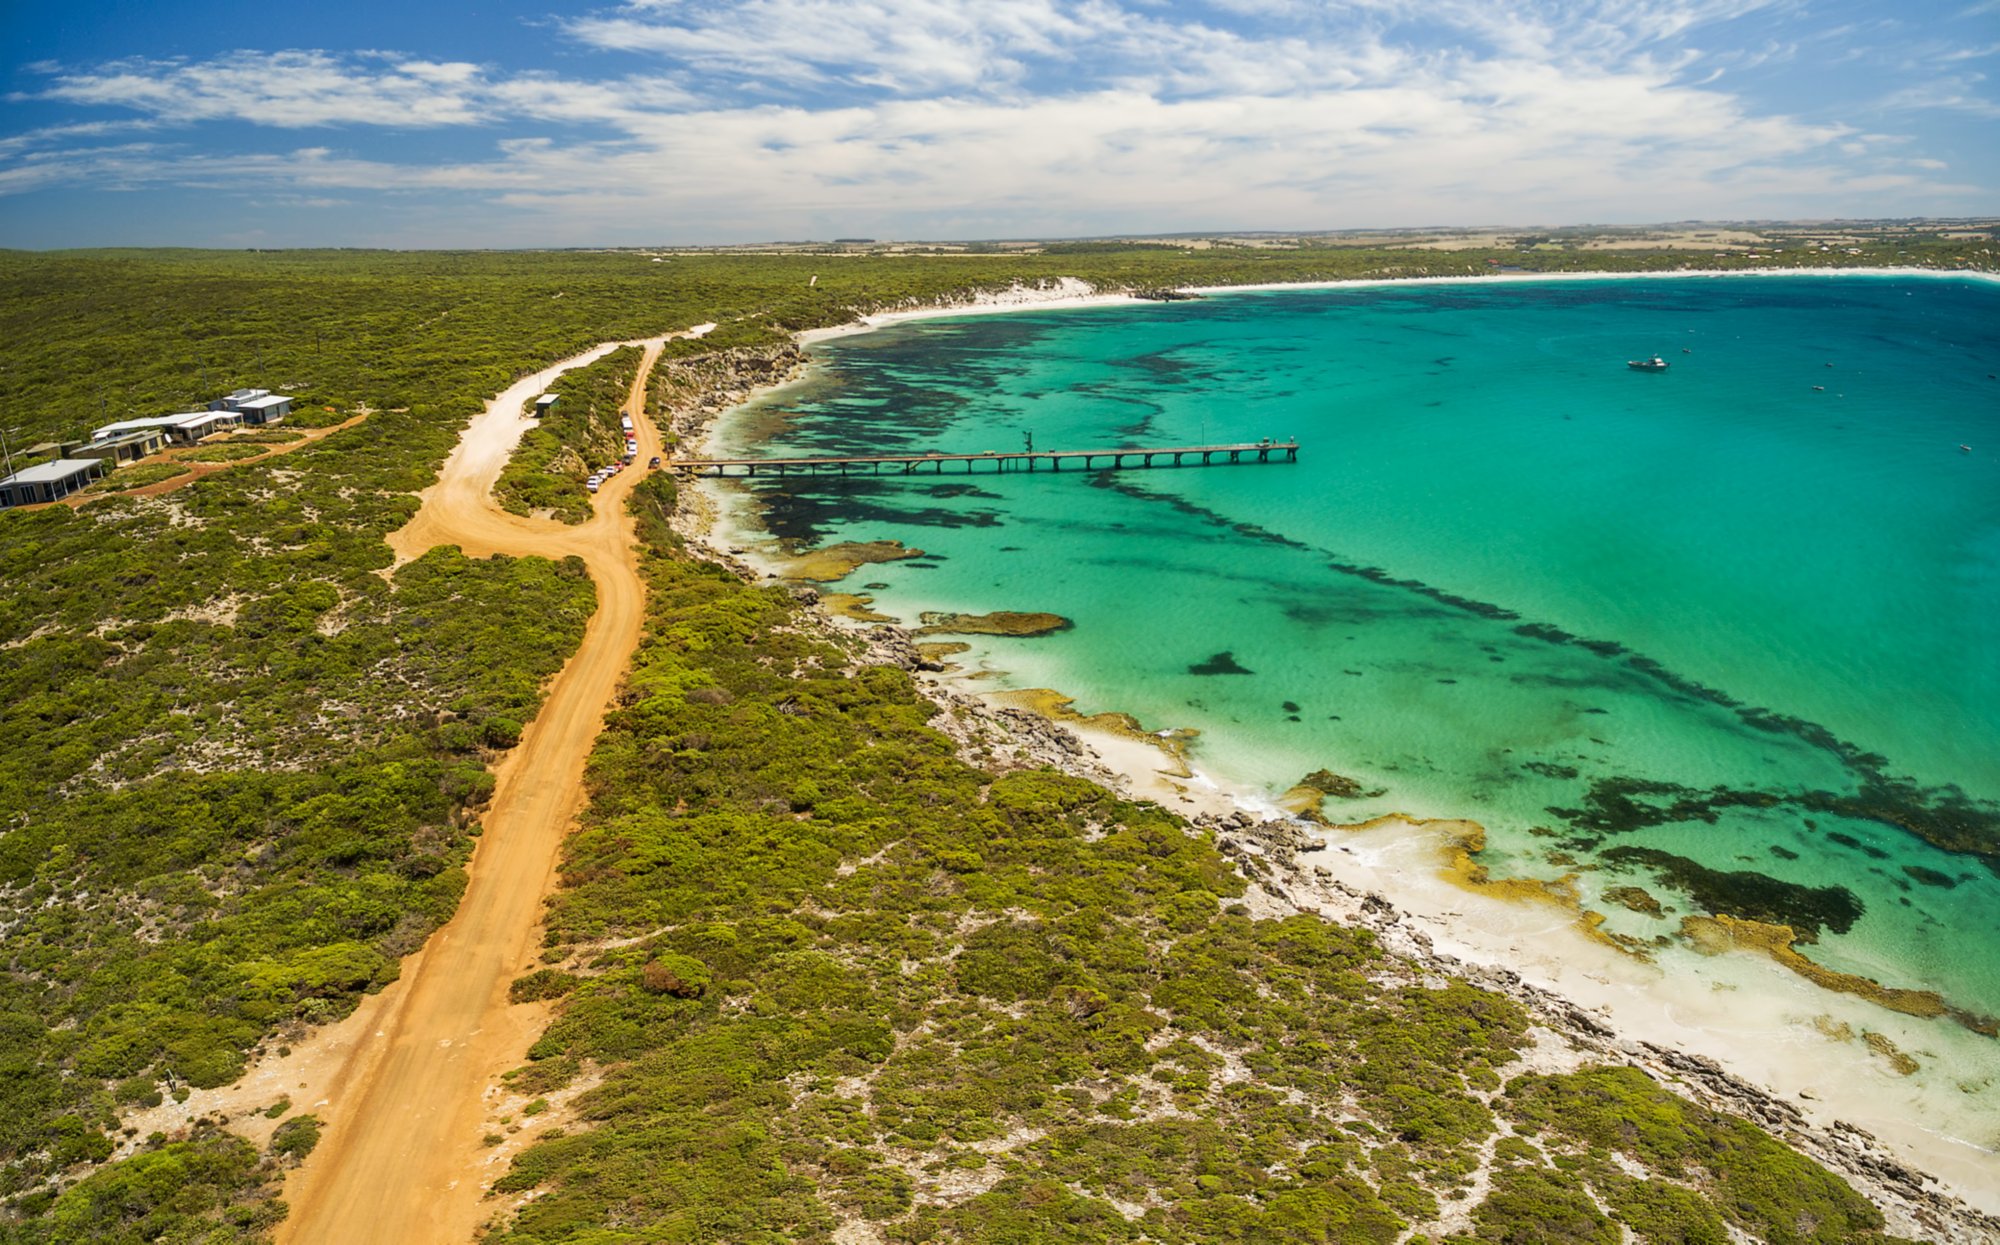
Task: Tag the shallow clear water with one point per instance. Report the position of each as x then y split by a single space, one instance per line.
1745 612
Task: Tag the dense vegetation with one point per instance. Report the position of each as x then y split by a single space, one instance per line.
581 434
241 767
828 972
240 770
242 758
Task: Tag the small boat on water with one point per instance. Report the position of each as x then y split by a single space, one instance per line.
1654 364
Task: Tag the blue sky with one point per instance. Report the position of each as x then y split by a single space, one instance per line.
512 123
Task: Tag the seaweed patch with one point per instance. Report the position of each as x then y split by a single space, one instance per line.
1748 895
1222 663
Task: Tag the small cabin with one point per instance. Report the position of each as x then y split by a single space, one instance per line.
127 447
184 429
257 406
52 481
266 408
546 403
236 398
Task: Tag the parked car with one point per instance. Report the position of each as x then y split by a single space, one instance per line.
655 464
592 483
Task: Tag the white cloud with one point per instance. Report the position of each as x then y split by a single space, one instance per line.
31 140
287 89
949 118
902 46
1950 93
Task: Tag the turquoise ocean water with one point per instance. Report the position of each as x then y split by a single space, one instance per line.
1730 633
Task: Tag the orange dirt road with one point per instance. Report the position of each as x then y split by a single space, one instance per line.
401 1161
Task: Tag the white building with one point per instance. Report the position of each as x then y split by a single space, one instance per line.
184 429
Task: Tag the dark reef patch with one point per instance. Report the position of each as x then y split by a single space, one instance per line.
1340 786
1620 805
1944 818
1849 841
805 512
1749 896
1931 877
1549 769
1222 663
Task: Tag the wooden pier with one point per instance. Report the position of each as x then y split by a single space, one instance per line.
1019 460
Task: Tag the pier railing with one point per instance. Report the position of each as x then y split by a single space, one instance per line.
1018 460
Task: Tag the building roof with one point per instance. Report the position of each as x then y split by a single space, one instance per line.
547 399
49 473
124 438
189 419
264 403
244 395
130 425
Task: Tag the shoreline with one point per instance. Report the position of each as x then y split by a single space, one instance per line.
1069 294
1744 1016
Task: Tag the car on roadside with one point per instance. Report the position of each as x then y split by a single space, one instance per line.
655 464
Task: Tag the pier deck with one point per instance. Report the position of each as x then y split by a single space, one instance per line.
1017 460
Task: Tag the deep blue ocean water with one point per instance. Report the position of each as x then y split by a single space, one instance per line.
1742 616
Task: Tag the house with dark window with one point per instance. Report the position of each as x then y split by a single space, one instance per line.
51 481
124 447
257 406
270 408
184 429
